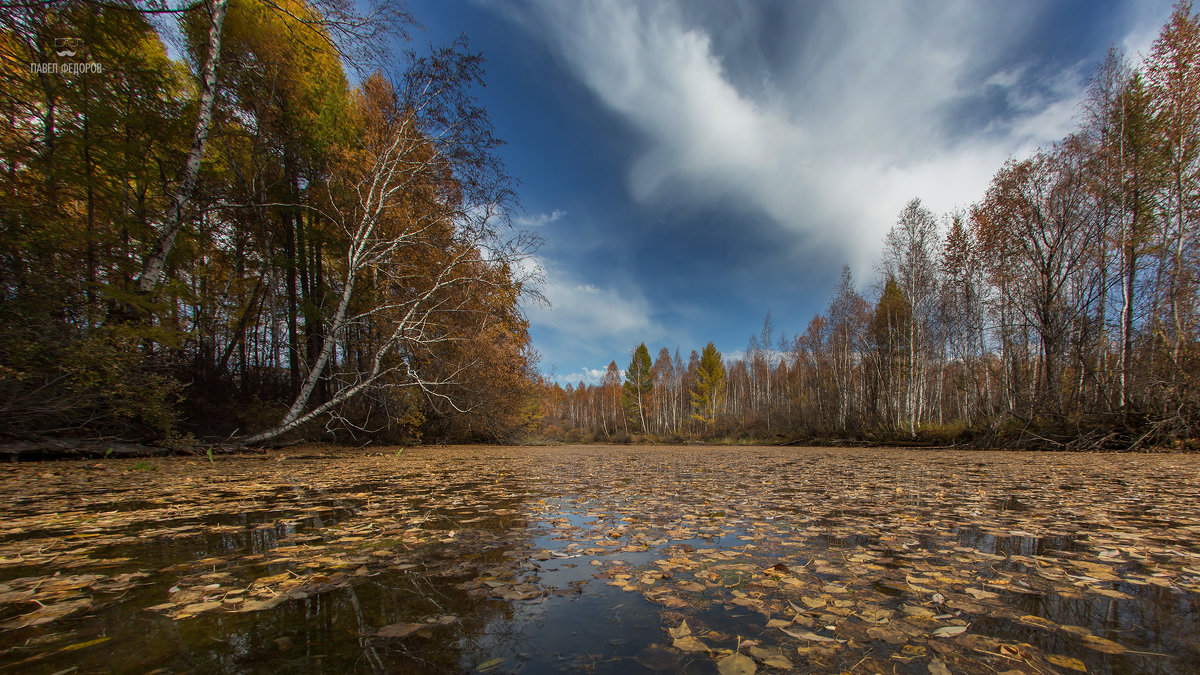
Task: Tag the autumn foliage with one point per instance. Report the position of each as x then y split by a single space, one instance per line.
341 267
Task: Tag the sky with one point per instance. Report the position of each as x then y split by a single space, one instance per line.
694 164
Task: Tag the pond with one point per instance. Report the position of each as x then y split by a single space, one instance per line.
603 559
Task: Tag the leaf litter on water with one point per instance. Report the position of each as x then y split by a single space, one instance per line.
833 555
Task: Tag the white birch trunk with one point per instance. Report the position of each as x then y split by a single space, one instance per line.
155 263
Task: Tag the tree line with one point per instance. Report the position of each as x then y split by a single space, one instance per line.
240 242
1059 311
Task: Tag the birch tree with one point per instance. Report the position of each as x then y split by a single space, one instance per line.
155 262
910 250
421 219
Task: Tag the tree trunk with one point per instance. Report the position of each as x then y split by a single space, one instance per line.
155 263
289 247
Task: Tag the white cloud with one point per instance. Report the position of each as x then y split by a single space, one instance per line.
585 311
585 375
539 219
836 141
585 318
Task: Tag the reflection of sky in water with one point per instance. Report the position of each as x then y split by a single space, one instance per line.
881 526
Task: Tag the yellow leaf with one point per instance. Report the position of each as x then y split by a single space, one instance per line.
1103 645
81 645
689 644
489 664
737 664
1039 622
1068 663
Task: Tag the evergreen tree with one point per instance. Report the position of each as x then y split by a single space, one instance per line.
708 393
639 383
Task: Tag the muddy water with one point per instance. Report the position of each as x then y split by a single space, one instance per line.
603 559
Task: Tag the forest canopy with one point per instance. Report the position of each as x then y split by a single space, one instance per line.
271 234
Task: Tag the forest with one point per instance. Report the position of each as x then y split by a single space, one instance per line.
1058 312
207 231
238 220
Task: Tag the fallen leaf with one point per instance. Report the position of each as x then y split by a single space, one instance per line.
673 602
876 615
1103 645
949 631
81 645
913 651
689 644
489 664
399 630
778 661
813 603
808 635
887 634
257 605
48 613
737 664
1067 662
1039 622
682 630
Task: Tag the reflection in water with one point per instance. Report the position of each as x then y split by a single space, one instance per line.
580 559
1014 544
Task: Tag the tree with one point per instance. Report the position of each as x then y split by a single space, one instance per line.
663 375
1036 227
332 22
79 186
423 193
910 250
765 338
708 392
893 315
1173 78
610 393
639 385
155 262
1104 129
847 321
963 293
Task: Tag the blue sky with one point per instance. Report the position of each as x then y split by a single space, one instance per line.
694 164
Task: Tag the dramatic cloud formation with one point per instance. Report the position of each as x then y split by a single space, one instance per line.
721 159
873 104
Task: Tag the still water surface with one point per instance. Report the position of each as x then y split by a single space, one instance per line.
603 559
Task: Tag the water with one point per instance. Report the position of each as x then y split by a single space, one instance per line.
581 559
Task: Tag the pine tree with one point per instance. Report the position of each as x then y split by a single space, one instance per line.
639 383
708 393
